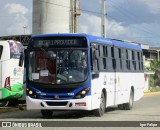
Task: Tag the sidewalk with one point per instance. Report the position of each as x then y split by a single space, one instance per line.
151 93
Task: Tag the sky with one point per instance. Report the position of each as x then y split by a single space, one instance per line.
131 20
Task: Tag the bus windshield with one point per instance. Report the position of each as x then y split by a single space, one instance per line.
60 66
16 49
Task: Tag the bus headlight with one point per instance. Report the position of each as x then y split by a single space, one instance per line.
31 93
82 93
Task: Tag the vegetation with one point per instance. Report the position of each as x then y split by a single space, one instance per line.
154 81
154 89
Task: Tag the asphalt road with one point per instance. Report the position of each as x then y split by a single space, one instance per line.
146 109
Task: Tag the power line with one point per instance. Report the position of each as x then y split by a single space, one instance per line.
99 13
94 12
127 14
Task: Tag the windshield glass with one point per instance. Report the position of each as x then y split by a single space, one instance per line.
16 49
58 66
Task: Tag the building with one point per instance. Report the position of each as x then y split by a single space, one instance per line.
24 39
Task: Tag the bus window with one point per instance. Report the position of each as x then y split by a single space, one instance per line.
16 49
1 50
58 66
113 58
94 63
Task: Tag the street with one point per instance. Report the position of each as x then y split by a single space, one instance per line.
146 109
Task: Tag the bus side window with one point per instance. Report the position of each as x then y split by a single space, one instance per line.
94 63
113 58
1 50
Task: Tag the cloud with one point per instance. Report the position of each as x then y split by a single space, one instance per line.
153 5
115 28
16 8
92 24
19 20
17 28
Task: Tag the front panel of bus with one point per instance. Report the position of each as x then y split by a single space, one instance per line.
58 73
12 72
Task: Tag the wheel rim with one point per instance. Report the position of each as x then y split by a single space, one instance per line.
131 99
102 103
3 103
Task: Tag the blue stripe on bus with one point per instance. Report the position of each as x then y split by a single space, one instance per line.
64 96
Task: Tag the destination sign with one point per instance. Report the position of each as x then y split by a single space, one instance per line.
59 42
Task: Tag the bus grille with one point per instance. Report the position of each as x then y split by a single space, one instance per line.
59 97
56 103
56 90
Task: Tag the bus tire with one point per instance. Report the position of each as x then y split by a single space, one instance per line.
129 105
3 103
101 110
47 113
121 107
13 102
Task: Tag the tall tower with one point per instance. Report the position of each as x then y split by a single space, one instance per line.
51 16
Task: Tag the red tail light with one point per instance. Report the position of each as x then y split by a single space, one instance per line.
7 83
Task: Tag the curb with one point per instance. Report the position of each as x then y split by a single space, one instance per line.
151 93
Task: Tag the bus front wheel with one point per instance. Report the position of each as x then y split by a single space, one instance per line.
101 110
47 113
3 103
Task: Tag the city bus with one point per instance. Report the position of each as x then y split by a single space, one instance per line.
11 71
82 72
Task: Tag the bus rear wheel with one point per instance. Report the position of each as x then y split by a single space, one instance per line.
4 103
129 105
47 113
101 110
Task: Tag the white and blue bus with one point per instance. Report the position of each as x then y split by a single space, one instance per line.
82 72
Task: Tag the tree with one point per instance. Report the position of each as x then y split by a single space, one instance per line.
155 66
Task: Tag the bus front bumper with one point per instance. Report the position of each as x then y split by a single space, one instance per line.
72 104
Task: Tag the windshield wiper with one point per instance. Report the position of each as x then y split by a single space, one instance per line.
46 53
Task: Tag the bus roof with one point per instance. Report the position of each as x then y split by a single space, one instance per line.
95 39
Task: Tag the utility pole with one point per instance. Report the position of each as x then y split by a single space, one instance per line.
75 13
103 20
25 27
72 16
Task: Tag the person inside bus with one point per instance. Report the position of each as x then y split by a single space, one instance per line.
84 63
48 73
46 69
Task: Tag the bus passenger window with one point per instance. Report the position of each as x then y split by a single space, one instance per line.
120 57
1 50
94 63
113 58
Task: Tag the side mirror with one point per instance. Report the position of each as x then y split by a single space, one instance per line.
95 75
21 60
